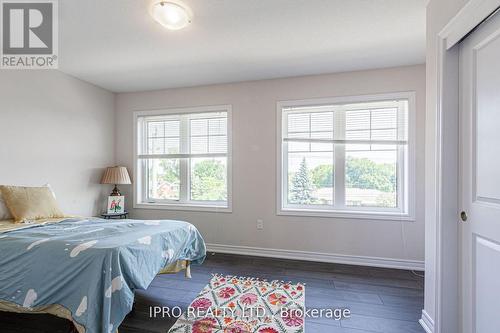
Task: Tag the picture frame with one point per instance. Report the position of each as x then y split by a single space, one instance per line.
116 204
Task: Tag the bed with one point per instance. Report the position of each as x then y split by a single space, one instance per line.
86 269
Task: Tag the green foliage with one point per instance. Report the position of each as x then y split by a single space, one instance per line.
171 168
322 176
364 173
301 187
208 178
361 173
208 181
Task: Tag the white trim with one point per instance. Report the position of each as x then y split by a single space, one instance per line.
472 14
187 109
373 213
347 99
183 207
354 142
438 171
318 256
445 214
143 156
426 322
195 206
354 214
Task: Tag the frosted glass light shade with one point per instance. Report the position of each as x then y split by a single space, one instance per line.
172 15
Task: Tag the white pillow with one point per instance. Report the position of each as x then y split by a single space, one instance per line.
4 211
51 190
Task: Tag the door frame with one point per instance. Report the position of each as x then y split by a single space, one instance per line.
442 186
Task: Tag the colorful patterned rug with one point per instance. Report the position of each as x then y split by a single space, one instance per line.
231 304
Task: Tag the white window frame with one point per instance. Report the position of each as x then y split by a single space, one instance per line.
408 192
140 186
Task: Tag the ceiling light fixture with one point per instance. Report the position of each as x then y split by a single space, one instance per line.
172 14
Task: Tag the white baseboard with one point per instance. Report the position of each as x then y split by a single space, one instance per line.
318 256
426 322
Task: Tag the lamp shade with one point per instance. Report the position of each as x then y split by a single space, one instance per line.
116 175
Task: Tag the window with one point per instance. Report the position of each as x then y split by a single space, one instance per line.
347 157
183 159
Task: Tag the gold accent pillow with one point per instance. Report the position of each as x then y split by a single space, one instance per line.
30 203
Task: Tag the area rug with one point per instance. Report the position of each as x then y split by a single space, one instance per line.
231 304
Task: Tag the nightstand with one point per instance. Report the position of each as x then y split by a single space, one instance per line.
116 216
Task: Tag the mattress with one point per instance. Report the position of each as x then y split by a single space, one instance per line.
87 269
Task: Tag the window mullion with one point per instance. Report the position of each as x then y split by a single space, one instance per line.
144 164
184 162
144 168
339 159
284 159
401 178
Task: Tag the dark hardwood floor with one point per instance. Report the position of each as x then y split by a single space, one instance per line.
380 299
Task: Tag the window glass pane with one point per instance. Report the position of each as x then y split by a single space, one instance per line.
322 122
315 125
164 180
384 118
371 177
357 135
357 119
172 146
209 179
298 122
299 146
208 135
381 147
384 134
376 124
156 129
320 146
163 137
172 128
217 126
156 146
310 178
322 135
163 146
199 145
198 127
217 144
357 147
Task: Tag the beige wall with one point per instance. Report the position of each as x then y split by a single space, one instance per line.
59 130
254 165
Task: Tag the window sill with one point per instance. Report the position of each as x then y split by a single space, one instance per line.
196 208
368 215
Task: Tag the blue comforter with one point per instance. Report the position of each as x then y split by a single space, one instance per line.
92 266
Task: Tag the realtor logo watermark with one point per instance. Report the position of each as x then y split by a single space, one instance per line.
29 34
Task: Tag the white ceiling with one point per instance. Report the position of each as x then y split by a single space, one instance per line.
115 44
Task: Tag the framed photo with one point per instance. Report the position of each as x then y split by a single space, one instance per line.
116 204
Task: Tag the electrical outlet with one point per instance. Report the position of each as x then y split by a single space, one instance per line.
260 224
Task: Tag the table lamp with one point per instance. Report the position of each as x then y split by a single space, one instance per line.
116 175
